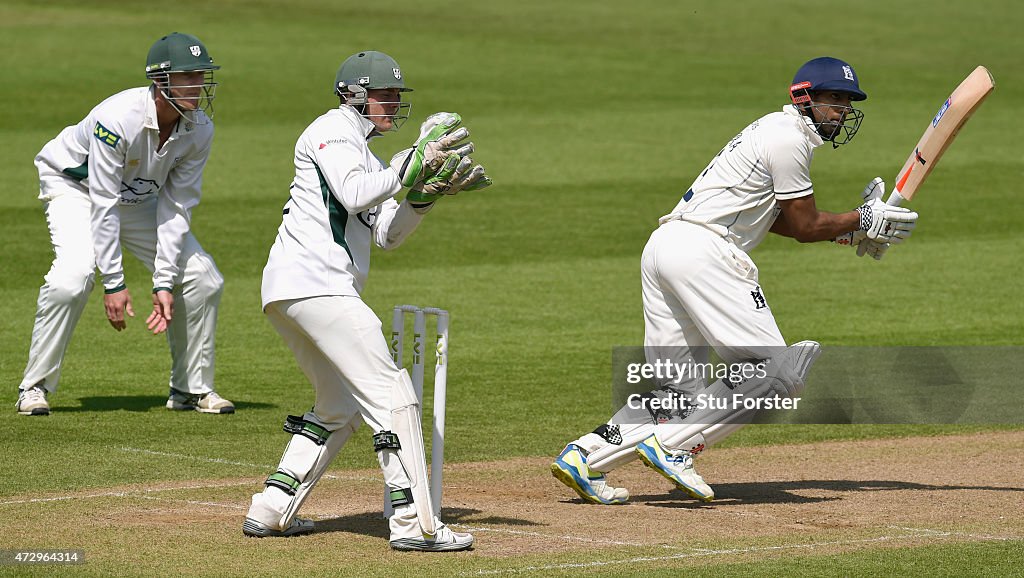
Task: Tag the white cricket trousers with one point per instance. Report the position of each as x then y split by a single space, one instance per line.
71 278
338 344
699 290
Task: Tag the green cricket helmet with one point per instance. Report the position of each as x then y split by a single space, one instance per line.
183 53
369 70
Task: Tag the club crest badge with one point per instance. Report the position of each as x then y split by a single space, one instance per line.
195 50
759 301
397 72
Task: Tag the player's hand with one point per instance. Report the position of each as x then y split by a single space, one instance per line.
871 247
440 139
875 189
116 305
163 310
466 176
885 223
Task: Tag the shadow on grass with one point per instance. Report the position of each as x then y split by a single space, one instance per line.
137 403
373 524
783 492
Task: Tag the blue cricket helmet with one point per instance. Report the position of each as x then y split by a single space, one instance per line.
826 73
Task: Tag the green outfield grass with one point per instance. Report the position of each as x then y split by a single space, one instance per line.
592 118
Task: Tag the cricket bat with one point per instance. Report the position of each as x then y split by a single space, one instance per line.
940 133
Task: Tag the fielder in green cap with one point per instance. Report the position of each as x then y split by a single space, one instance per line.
340 202
128 176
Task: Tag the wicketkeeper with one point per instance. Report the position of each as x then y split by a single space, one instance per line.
341 200
128 176
701 291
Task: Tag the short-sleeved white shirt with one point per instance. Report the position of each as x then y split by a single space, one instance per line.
735 196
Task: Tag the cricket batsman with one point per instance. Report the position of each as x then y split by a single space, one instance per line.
341 201
127 176
700 287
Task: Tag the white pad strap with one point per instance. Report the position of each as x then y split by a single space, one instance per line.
405 420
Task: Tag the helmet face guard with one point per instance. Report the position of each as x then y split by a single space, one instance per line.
827 74
837 133
188 99
356 96
172 57
370 70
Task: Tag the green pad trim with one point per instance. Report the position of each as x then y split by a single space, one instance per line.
282 480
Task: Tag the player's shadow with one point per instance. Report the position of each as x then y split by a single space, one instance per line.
139 403
788 492
373 524
136 403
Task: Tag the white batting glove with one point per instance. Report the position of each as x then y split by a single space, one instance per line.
886 223
874 190
859 239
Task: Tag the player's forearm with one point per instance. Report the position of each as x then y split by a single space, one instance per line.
367 190
822 227
106 233
394 229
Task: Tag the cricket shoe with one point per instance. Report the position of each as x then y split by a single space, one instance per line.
208 402
570 468
677 468
444 540
32 401
256 529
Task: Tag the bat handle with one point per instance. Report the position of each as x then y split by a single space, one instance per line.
895 199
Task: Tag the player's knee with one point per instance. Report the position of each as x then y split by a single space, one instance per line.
202 278
69 285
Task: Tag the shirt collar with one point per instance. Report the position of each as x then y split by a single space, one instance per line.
150 120
361 121
807 125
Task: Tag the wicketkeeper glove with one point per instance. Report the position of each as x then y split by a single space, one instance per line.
465 177
440 138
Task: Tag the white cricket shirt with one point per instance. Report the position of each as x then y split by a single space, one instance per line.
112 156
340 201
735 195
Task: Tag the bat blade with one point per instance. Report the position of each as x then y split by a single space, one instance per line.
940 133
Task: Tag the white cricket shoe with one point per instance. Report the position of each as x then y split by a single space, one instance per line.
445 540
32 401
209 402
570 468
257 529
678 468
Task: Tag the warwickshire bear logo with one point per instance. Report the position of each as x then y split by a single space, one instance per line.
759 302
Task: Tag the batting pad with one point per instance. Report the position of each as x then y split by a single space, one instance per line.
302 465
786 375
405 419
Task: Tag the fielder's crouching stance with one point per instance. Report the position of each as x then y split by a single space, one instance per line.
700 288
340 201
128 176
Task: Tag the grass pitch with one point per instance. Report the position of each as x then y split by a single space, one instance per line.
592 118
